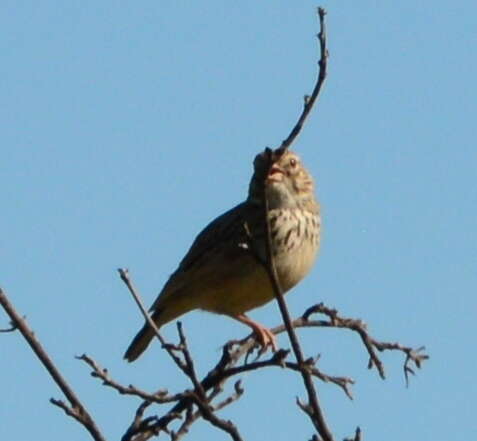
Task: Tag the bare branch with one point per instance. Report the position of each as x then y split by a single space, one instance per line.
234 351
231 398
208 414
220 373
190 363
309 101
75 408
198 396
412 355
312 409
124 274
158 397
204 399
343 382
190 419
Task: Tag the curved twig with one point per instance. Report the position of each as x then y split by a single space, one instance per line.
309 101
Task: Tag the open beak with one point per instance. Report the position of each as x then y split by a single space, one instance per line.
275 174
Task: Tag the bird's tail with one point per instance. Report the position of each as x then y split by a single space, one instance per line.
164 312
140 343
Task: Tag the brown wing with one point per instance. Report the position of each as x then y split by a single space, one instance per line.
227 237
227 230
208 263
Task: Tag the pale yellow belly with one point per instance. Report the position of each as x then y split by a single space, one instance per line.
238 295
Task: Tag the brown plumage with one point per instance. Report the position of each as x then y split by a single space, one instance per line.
221 272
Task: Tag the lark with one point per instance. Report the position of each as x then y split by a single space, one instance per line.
223 272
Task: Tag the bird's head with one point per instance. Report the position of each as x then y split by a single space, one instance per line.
287 183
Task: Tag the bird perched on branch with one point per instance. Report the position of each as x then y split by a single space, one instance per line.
223 272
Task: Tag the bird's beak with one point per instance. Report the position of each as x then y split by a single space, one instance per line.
275 174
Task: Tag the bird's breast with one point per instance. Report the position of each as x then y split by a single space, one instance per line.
295 242
243 283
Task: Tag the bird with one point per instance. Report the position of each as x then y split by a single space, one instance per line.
223 272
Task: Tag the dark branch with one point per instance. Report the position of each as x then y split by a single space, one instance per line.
208 414
219 374
412 355
313 408
198 402
159 397
124 274
198 396
190 419
75 408
310 100
190 364
234 351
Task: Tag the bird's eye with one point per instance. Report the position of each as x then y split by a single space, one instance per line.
293 162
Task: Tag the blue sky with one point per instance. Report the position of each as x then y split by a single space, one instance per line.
127 126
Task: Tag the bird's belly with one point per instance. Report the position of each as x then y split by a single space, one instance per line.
238 295
293 266
252 287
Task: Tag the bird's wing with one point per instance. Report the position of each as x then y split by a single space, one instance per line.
226 231
226 238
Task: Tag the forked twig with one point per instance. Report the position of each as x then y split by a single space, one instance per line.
198 396
415 356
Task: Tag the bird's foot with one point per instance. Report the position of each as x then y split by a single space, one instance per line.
264 336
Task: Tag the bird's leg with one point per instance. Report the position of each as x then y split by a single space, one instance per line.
264 335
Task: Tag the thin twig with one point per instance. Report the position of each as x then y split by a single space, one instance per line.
197 396
233 351
225 368
75 408
138 422
190 419
313 409
159 397
238 392
124 274
184 427
415 356
190 363
310 100
208 414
